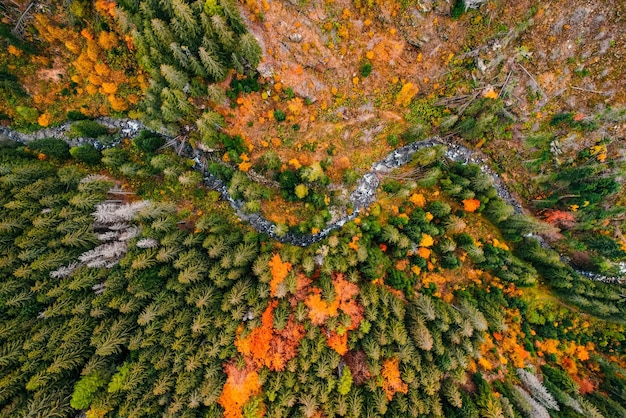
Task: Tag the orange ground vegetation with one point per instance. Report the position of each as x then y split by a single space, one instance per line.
240 386
320 310
89 68
268 347
500 348
279 211
313 81
568 353
392 382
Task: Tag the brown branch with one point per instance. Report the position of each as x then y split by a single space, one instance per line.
543 93
590 91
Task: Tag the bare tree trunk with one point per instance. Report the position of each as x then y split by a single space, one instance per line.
18 30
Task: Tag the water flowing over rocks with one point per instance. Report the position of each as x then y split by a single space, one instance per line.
361 198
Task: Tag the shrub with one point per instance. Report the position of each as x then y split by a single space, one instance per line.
392 186
464 239
427 156
270 161
439 209
220 171
149 141
247 84
414 133
288 181
29 114
458 8
86 153
234 144
279 115
52 147
301 191
393 140
366 68
85 389
77 115
88 129
114 157
566 119
350 177
450 261
398 280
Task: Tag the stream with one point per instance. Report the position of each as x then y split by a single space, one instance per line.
361 198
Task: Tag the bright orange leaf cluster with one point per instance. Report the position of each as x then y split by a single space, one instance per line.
87 55
406 94
426 241
506 347
418 200
320 310
267 347
392 382
470 205
105 7
240 386
279 271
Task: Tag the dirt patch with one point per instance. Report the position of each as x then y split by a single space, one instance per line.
54 74
316 66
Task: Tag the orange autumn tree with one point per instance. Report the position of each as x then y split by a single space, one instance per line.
502 348
320 310
279 271
268 347
560 218
241 385
470 205
89 65
392 382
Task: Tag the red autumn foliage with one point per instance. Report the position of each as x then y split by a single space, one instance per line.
302 286
357 363
585 384
560 218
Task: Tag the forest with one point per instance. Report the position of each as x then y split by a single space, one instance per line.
344 208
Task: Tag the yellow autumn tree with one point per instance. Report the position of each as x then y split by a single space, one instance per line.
406 94
427 240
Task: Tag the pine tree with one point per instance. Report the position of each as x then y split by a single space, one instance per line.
176 79
184 22
162 32
211 64
250 49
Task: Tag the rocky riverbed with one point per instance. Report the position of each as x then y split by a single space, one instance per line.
361 198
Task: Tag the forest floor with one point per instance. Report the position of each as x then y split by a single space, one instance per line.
542 58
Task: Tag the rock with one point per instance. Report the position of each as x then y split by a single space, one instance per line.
295 37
